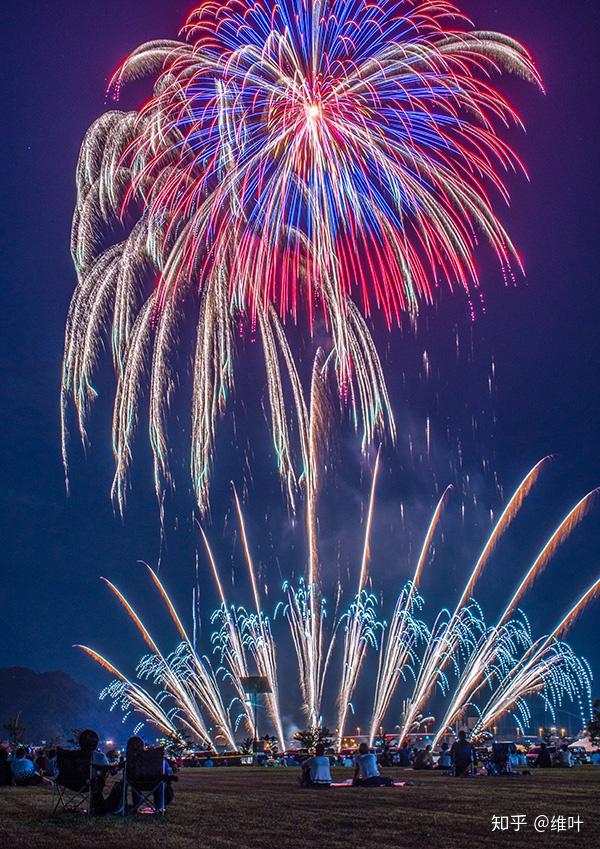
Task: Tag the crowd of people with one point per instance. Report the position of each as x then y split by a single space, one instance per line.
21 766
460 760
27 767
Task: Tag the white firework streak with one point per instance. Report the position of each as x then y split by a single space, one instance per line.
359 623
258 636
398 645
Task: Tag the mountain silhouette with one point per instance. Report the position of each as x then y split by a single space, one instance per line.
51 705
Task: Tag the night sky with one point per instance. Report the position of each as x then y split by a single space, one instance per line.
541 336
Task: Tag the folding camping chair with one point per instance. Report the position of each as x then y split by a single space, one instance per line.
72 785
146 777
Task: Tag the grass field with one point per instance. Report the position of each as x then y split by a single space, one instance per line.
260 808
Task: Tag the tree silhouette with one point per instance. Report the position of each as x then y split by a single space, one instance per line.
314 735
246 746
15 727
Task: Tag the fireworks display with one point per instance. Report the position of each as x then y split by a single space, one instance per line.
486 671
306 163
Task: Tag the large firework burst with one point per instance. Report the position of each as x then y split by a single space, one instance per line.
305 161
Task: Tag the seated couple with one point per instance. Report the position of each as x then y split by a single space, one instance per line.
101 768
316 771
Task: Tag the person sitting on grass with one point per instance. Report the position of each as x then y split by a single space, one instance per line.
316 771
24 771
405 755
424 759
463 755
565 757
366 770
444 759
543 760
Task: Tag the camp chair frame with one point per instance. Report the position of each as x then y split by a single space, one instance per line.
146 793
67 798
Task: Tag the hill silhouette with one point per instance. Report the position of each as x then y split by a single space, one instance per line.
51 705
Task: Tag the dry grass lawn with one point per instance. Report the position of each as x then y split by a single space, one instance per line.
258 808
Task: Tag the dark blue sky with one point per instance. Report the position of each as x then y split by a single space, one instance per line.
542 336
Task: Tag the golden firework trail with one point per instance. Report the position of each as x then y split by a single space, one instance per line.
229 640
538 667
444 644
484 657
136 698
200 685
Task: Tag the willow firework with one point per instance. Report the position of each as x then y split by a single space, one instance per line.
477 668
309 161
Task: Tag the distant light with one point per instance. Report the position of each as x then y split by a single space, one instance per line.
313 111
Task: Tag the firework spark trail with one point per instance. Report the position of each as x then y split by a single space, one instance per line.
308 619
201 685
397 646
484 657
516 668
133 697
229 641
443 648
528 675
282 164
177 687
503 659
201 680
555 670
260 636
358 628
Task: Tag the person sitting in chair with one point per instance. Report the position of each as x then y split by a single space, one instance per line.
366 770
24 770
135 747
316 771
101 767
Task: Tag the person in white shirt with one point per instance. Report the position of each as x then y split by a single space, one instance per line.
564 756
366 770
316 771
